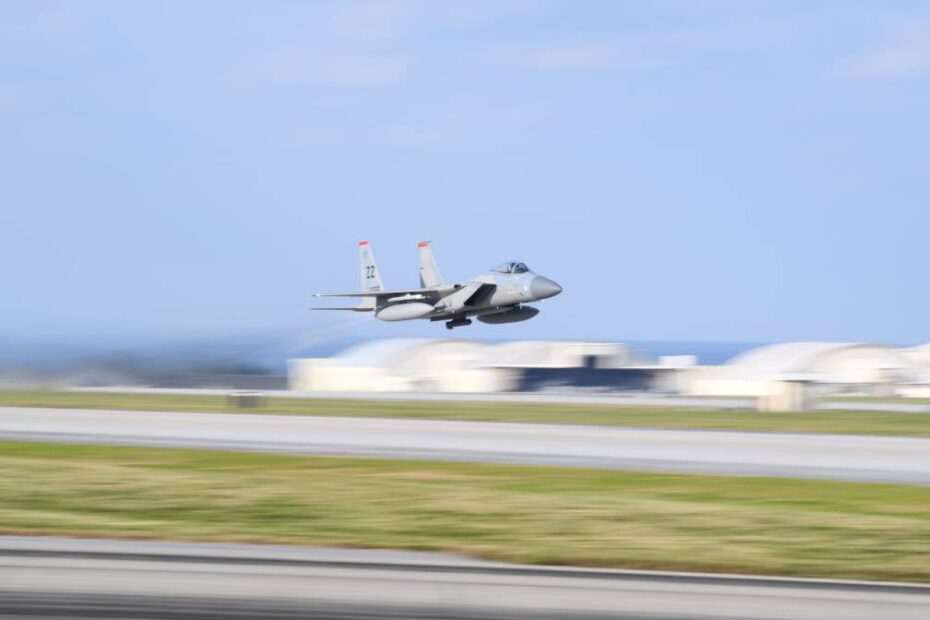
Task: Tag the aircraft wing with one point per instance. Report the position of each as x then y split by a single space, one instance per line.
412 291
351 308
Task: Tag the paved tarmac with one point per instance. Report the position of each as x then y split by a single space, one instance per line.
836 457
81 578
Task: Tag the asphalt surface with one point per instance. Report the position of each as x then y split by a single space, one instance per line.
74 578
837 457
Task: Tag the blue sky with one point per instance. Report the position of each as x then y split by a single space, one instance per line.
687 170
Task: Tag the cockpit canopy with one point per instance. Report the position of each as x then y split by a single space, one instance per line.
511 267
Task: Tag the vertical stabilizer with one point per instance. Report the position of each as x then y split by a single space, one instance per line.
369 274
429 272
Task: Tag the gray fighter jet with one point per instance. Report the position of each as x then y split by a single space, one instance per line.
497 296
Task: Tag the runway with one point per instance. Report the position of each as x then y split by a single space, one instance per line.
836 457
74 578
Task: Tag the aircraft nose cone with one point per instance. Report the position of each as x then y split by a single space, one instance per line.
542 288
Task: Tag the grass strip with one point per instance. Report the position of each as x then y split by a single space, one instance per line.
882 400
844 422
541 515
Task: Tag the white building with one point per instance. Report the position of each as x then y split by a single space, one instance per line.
398 365
919 355
555 354
421 365
781 376
834 367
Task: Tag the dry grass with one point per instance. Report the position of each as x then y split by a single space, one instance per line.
524 514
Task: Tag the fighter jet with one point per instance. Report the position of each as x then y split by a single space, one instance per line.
496 296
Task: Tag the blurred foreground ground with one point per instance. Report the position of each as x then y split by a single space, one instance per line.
94 578
540 515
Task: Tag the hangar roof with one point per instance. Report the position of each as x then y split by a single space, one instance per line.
379 352
919 354
785 356
812 357
394 351
548 353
